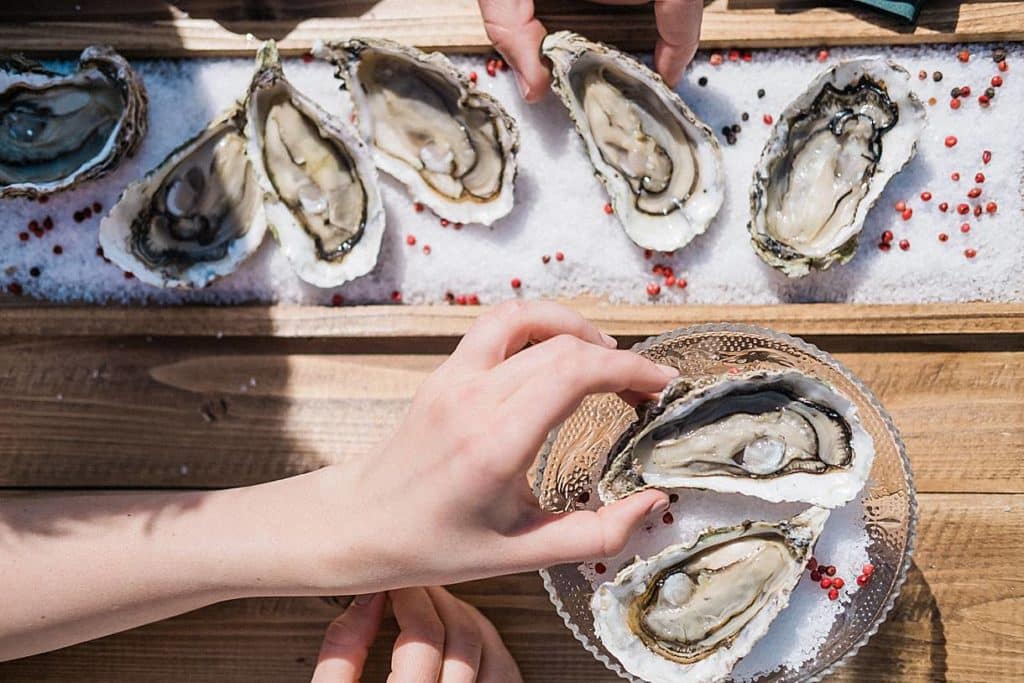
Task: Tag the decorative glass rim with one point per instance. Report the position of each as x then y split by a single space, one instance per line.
825 358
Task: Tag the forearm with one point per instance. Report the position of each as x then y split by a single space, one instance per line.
79 567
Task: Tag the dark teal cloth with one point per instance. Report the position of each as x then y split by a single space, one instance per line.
907 9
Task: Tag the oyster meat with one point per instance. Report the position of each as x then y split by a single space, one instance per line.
58 130
321 195
694 609
452 146
662 167
779 436
829 156
195 217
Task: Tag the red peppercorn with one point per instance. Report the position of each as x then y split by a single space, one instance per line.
474 300
715 59
87 212
417 206
427 249
907 213
33 226
974 192
954 103
449 297
681 283
825 582
905 245
831 570
965 228
667 518
833 594
986 156
965 91
600 568
991 207
767 119
307 58
1003 66
14 288
979 177
815 576
457 226
943 237
822 55
963 55
926 196
545 259
516 283
963 209
734 55
862 579
922 75
954 176
491 68
58 250
336 300
410 240
943 206
445 223
472 77
23 236
43 199
868 569
812 564
461 299
502 65
128 275
838 583
950 141
608 208
559 256
983 100
901 206
670 281
884 246
396 296
48 223
653 289
887 236
97 207
970 253
747 56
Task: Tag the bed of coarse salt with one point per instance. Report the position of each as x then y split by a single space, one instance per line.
559 203
802 627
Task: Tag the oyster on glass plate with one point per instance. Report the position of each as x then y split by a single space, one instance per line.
195 217
779 436
829 156
452 146
661 166
694 609
57 130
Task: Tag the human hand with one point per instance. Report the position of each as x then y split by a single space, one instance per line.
441 639
446 499
517 35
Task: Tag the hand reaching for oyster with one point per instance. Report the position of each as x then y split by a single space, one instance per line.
517 35
441 639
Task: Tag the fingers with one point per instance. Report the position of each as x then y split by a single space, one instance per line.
506 329
496 663
589 535
679 27
419 648
517 35
348 639
463 643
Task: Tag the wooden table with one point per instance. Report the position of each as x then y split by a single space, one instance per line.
205 397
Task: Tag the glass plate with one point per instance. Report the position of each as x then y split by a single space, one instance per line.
571 461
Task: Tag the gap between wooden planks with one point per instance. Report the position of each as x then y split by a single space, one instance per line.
18 318
456 25
957 618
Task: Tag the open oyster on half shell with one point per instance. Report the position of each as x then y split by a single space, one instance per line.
195 217
59 130
779 436
662 166
452 146
694 609
321 195
829 156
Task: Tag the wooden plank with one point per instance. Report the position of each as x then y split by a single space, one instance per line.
456 25
126 412
19 317
956 619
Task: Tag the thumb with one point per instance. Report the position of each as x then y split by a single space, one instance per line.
517 35
589 535
348 639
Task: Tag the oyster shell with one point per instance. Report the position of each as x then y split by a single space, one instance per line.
452 146
662 167
321 194
694 609
830 155
779 436
195 217
58 130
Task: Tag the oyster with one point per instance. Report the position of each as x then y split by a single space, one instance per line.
58 130
195 217
322 199
662 167
774 435
694 609
830 155
453 147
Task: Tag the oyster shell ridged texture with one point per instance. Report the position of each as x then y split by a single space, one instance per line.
661 166
57 131
777 436
453 147
321 194
827 160
693 610
195 217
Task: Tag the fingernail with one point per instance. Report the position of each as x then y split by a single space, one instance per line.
363 600
669 371
524 88
609 341
659 507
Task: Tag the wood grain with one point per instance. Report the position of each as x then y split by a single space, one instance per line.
21 317
959 618
212 28
127 412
